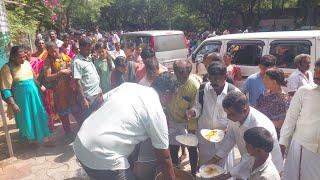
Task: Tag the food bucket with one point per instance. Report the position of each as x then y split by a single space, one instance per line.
180 175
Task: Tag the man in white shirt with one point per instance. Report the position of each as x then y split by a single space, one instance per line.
301 76
302 125
117 52
210 111
106 144
53 38
243 117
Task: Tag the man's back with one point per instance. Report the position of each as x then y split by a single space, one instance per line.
131 114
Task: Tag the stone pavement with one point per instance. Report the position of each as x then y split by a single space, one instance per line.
38 162
42 163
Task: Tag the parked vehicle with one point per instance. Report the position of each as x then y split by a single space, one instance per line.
168 45
249 47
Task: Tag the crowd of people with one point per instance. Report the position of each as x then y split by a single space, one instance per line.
130 109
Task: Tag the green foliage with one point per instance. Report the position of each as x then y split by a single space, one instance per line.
25 16
21 25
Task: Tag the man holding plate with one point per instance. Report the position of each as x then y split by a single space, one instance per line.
177 121
243 117
208 107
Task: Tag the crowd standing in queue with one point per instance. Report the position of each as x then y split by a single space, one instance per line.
130 108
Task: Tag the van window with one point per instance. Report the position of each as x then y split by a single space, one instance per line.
169 42
144 41
285 51
246 52
210 47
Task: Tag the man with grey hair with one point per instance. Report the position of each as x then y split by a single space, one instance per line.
300 132
176 111
301 76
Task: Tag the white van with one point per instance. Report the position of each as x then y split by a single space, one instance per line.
168 45
249 47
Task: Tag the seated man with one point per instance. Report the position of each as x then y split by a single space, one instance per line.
106 144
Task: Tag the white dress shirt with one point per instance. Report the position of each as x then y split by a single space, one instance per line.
303 119
131 114
234 136
213 115
59 42
114 54
298 79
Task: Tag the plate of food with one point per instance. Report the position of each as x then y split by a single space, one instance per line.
210 171
187 139
215 135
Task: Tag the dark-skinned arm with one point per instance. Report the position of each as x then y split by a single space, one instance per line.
165 162
10 101
79 88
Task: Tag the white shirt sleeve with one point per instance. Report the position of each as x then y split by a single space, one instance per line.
76 70
157 128
197 106
243 168
293 83
228 142
290 122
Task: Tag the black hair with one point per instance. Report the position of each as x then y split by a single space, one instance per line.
100 45
51 30
177 68
152 65
38 40
147 53
229 54
317 63
277 75
84 42
215 57
65 36
120 61
26 48
165 82
217 68
268 60
259 137
14 52
235 100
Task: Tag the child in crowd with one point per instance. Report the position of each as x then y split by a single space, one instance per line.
125 71
104 65
259 144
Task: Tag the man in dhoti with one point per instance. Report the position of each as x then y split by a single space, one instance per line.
302 125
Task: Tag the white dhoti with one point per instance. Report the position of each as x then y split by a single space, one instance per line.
301 164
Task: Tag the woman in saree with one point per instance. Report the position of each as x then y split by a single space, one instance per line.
58 73
37 61
66 48
41 52
20 91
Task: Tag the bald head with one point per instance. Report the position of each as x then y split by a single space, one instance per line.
182 65
182 70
